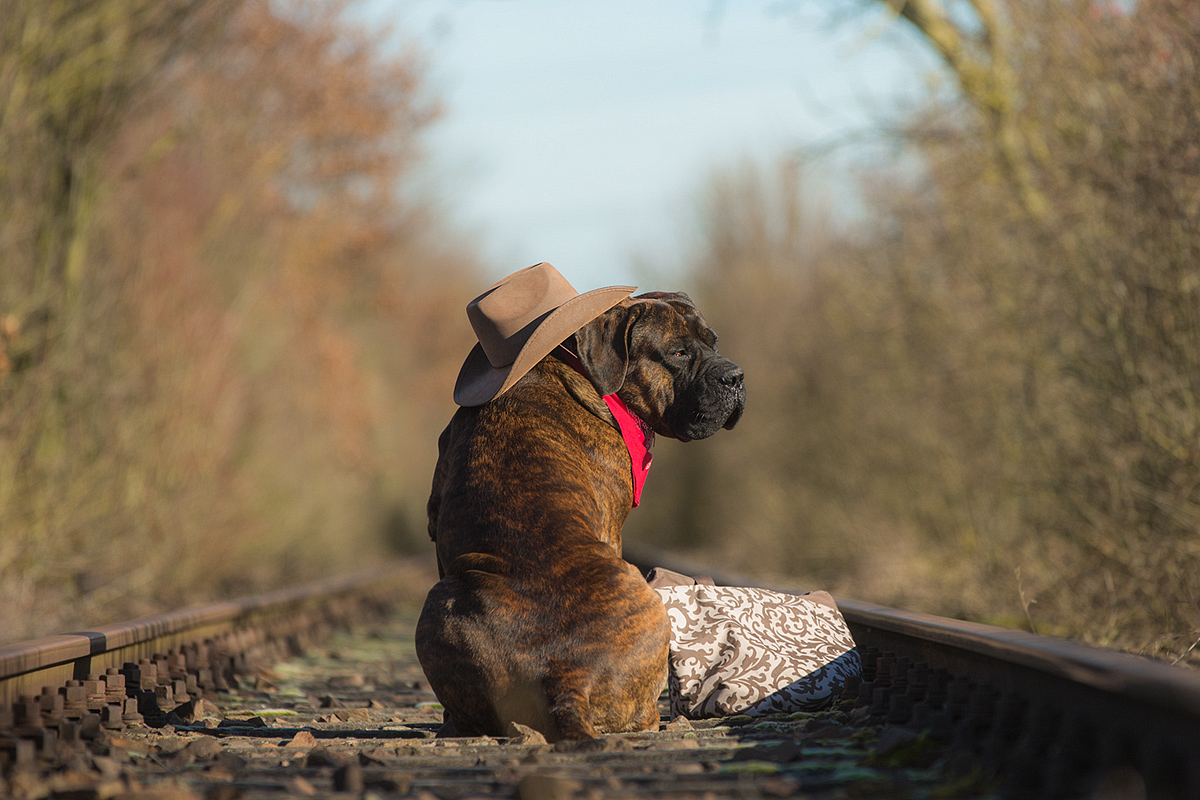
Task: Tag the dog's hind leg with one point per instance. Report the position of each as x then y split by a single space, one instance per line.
569 694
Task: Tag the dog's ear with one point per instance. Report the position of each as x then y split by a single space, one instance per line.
603 347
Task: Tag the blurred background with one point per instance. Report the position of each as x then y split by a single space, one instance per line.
955 246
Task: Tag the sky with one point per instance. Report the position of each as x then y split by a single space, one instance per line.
580 133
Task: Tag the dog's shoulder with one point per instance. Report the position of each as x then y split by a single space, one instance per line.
551 400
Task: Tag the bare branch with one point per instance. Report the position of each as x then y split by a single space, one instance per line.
981 65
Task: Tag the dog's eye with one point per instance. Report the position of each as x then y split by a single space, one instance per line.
680 354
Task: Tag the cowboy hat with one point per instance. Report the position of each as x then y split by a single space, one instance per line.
518 322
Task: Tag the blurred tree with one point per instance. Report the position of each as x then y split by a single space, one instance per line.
221 329
978 49
67 72
983 400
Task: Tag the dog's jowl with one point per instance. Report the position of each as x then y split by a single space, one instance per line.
537 619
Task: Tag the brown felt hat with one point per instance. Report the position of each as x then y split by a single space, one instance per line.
518 322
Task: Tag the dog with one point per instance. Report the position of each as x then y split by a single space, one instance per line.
536 618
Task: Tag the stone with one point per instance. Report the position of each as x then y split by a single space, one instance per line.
523 734
204 748
230 761
323 757
601 744
302 739
358 715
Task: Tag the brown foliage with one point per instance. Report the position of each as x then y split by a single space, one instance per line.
220 381
974 405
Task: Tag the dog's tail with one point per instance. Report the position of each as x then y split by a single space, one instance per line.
569 694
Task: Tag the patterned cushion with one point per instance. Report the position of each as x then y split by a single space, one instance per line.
754 651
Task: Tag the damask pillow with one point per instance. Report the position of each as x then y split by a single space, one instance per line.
753 651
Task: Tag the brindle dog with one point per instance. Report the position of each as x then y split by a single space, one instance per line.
536 618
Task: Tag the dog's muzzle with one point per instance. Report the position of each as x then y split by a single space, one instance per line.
720 401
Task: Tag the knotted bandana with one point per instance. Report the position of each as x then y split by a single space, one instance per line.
638 436
638 440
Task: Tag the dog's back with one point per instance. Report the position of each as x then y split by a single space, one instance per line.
537 619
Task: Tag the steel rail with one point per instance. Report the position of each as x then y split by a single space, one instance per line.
1020 700
27 668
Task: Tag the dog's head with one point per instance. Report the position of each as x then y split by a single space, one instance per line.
660 357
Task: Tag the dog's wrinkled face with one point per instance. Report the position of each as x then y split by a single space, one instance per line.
660 357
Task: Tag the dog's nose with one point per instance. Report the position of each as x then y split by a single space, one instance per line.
733 378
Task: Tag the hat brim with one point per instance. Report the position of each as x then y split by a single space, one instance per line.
479 381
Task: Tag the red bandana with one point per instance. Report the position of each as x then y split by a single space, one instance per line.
638 436
638 439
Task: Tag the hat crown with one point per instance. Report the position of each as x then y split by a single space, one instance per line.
518 322
506 315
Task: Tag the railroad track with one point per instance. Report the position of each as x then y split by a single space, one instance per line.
316 692
1051 717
